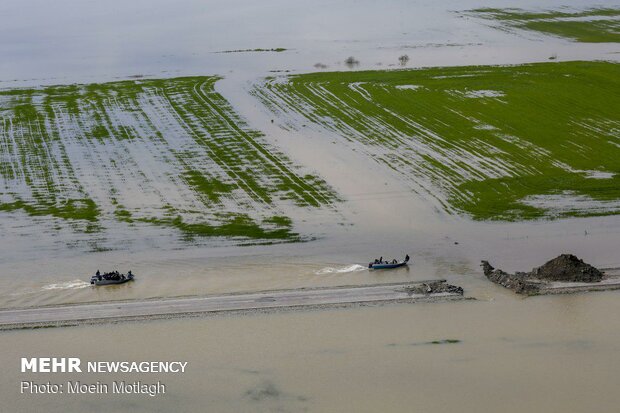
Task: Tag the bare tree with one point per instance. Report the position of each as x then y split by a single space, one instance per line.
351 61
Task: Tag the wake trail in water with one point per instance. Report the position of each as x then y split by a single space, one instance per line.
341 270
68 285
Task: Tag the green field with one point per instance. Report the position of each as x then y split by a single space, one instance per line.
150 152
595 25
495 142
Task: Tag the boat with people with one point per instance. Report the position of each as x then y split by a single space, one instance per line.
380 264
109 278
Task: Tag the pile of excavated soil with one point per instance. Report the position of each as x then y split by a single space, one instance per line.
434 287
566 268
569 268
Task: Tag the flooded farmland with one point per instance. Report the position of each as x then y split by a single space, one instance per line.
217 147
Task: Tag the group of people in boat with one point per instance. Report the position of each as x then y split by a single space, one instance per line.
393 261
380 261
113 275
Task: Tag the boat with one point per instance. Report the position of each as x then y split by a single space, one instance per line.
384 265
110 278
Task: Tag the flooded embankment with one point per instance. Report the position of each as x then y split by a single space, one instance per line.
263 301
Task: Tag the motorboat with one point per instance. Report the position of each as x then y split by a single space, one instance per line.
380 264
110 278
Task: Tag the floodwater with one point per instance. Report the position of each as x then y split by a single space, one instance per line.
536 354
544 354
74 41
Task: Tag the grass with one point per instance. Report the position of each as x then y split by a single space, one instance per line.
167 152
83 209
236 225
494 142
445 341
276 49
595 25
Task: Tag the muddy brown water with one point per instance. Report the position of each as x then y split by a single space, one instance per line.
537 354
513 354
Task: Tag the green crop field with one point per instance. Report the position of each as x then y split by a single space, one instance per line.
495 142
150 152
596 25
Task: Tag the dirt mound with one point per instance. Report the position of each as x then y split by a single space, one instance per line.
434 287
567 267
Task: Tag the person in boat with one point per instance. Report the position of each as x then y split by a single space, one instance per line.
394 261
407 258
129 274
381 260
98 273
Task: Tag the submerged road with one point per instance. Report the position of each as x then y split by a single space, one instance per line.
128 310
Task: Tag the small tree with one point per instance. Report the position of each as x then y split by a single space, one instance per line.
404 59
351 61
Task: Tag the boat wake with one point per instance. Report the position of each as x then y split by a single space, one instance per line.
68 285
342 270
